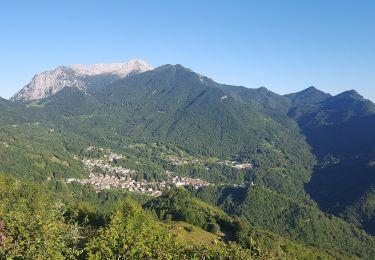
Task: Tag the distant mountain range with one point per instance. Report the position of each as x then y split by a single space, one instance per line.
309 148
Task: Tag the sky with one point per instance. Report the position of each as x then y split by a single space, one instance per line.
283 45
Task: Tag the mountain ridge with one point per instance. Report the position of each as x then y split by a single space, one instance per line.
81 77
292 144
119 70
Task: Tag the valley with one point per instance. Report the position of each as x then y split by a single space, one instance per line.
187 130
258 174
103 175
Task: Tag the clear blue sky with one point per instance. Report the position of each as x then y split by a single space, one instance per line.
283 45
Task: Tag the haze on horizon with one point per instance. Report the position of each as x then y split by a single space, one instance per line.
284 46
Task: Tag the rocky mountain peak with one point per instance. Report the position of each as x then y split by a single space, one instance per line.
76 76
120 69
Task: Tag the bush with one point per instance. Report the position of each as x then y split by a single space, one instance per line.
213 228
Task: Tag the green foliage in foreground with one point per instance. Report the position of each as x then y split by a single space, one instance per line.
36 225
268 210
32 226
133 233
180 205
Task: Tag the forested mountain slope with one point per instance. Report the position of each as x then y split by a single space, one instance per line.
175 106
268 210
301 150
340 131
32 149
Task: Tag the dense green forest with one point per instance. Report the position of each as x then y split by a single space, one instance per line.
340 131
307 191
174 106
268 210
37 224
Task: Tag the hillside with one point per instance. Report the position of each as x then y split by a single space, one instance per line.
30 216
340 131
179 205
286 217
175 106
263 164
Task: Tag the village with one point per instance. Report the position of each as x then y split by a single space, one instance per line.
104 176
176 161
236 165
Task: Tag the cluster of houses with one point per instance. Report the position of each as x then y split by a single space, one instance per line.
5 144
234 164
177 161
113 156
92 165
106 182
103 176
92 148
185 181
237 165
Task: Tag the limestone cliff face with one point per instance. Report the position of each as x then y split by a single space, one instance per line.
76 76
